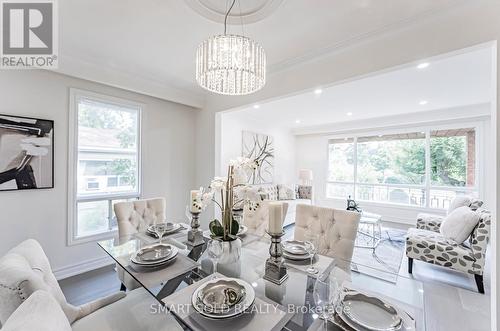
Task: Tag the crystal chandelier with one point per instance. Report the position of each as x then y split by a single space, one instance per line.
230 64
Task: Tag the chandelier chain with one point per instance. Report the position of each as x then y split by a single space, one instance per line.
227 14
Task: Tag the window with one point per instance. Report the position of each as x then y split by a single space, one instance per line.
395 168
104 161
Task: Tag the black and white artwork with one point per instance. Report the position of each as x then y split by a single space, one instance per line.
259 147
26 153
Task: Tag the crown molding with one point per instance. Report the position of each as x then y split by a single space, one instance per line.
136 82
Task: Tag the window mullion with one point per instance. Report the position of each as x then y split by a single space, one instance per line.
427 168
355 162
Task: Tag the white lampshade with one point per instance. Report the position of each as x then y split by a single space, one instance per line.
305 175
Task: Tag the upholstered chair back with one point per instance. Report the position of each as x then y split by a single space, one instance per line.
479 240
256 216
336 228
40 312
135 216
24 270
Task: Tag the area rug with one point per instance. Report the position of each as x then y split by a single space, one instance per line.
385 261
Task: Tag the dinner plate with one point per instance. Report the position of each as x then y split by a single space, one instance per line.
294 257
167 251
221 296
296 247
230 297
364 312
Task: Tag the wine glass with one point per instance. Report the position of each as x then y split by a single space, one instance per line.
312 242
160 229
214 250
326 295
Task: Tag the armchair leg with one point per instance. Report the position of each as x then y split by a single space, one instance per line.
479 283
410 265
123 288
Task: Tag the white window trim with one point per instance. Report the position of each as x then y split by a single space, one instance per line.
480 167
75 95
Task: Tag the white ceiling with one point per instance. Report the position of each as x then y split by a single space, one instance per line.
447 82
149 45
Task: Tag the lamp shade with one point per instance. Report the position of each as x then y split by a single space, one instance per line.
305 174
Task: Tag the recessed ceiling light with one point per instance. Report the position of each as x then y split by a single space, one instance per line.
318 91
256 106
423 65
423 102
349 114
380 136
297 121
422 132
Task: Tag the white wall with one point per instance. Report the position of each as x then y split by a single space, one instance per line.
234 123
311 152
168 163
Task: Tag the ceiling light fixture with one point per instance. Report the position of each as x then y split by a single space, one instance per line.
297 121
230 64
256 106
423 65
349 114
318 91
423 102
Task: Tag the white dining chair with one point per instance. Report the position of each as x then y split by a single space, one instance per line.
25 270
336 228
256 216
133 217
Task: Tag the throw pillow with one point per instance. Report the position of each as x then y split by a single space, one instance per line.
458 202
459 224
285 193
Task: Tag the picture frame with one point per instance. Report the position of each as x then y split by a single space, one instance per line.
26 153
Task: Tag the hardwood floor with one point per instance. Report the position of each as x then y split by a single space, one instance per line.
451 298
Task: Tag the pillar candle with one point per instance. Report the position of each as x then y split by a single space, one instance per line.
275 217
194 198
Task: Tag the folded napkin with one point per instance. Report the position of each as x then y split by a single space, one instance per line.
265 315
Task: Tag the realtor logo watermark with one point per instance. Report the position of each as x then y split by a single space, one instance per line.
29 34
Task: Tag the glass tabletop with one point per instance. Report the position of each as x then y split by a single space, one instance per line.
294 296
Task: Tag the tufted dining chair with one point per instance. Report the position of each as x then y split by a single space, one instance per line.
133 217
256 216
26 269
337 229
31 299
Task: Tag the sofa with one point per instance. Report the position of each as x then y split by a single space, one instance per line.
427 242
300 194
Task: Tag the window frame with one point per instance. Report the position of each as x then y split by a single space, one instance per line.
75 96
427 185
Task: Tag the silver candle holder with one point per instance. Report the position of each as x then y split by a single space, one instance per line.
195 236
275 265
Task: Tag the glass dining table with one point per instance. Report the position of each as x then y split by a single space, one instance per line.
294 296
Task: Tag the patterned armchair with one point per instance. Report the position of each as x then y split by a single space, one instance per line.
427 244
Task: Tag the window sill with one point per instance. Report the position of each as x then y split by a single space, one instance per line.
393 206
73 241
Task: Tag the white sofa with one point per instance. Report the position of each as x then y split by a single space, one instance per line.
300 195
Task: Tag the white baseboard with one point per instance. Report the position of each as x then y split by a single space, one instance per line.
78 268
